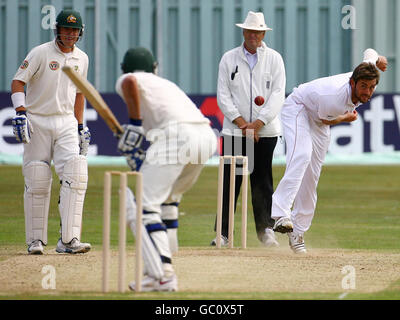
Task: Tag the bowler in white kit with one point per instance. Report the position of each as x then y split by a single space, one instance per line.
307 115
49 122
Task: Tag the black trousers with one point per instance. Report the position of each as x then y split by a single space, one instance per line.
261 182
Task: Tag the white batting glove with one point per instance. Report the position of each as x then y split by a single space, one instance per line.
132 146
22 128
84 139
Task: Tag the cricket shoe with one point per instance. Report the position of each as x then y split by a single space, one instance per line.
151 284
296 242
224 241
36 247
74 246
268 238
283 225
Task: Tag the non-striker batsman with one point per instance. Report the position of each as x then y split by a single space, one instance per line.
49 122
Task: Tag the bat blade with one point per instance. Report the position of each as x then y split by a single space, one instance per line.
95 99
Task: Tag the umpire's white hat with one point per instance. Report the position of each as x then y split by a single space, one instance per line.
254 21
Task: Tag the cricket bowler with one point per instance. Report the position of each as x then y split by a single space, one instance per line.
307 115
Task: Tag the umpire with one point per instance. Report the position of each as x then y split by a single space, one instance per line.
251 126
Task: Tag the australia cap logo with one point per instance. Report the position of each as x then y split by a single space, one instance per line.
71 19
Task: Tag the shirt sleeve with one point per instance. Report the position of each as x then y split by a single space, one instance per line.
224 97
118 85
29 66
277 97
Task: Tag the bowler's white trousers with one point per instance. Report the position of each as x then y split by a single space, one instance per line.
307 142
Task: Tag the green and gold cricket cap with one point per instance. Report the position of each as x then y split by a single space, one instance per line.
138 59
69 19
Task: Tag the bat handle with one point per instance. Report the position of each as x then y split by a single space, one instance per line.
118 134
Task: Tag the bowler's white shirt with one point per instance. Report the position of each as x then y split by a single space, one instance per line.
325 98
49 91
328 98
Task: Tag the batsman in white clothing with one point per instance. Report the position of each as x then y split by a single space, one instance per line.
49 122
181 142
307 115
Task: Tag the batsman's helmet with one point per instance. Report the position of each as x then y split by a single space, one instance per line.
138 59
70 19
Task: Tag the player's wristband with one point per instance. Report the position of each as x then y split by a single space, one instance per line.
20 113
80 126
18 99
135 122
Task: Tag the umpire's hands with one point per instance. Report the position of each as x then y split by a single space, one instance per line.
131 145
22 128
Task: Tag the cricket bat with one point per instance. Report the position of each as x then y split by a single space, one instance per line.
95 99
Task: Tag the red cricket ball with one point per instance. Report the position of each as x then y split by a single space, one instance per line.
259 100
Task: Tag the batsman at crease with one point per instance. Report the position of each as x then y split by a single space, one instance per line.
162 112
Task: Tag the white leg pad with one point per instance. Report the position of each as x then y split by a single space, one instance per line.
169 215
150 243
38 178
72 196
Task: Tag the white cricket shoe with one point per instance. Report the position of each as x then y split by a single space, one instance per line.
151 284
296 242
268 239
75 246
36 247
224 241
283 225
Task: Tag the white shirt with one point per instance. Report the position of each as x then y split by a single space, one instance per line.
162 102
328 98
325 98
251 58
49 91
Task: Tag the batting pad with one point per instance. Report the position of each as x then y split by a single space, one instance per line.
151 255
72 196
38 179
169 215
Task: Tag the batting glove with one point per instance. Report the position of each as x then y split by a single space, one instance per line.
132 146
84 139
22 128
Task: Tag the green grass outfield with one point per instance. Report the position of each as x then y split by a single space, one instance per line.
358 209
